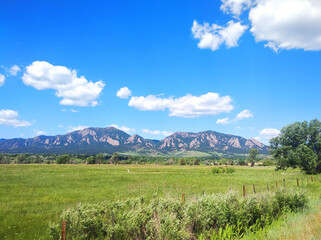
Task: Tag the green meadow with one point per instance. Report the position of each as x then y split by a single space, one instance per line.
32 196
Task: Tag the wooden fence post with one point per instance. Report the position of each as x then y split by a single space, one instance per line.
183 198
311 178
203 192
267 184
113 224
284 183
243 190
254 189
276 184
302 181
297 182
63 229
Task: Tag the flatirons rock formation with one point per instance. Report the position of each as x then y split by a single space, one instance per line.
96 140
209 141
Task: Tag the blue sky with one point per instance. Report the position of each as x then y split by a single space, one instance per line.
249 74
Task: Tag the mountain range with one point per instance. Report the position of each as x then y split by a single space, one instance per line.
110 139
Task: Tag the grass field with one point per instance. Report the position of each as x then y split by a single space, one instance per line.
31 196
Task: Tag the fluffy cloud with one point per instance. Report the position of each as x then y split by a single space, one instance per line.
244 114
10 118
39 133
69 110
14 70
235 7
76 128
123 128
157 132
287 24
282 24
213 36
267 133
124 92
223 121
2 78
150 103
188 106
73 90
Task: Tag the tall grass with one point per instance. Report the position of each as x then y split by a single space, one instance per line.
168 218
31 196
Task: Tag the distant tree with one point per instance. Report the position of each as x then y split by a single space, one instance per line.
115 158
253 154
63 159
206 162
299 145
5 160
182 161
241 162
22 158
91 160
100 158
38 159
268 162
170 162
196 162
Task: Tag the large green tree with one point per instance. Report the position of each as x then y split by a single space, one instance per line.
253 154
299 145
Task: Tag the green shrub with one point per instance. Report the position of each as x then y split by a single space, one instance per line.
230 170
218 170
182 162
63 159
210 216
197 162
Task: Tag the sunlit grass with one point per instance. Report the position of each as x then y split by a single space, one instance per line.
31 196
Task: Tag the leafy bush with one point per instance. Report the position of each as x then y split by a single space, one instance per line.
218 170
230 170
197 162
182 161
63 159
267 162
91 160
214 216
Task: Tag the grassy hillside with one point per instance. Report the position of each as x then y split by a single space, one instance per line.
31 196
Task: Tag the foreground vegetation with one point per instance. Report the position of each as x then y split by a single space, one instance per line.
207 216
32 196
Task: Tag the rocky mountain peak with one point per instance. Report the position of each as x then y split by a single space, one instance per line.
111 139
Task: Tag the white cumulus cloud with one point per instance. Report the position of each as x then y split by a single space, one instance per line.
157 132
188 106
124 93
213 36
244 114
2 78
76 128
10 118
14 70
235 7
123 128
287 24
39 133
223 121
266 134
73 90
